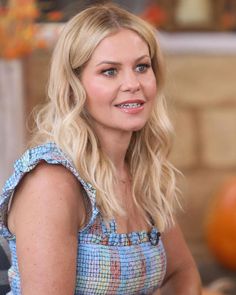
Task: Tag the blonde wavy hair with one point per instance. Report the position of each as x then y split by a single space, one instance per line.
63 120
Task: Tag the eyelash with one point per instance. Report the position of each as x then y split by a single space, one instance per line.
145 65
105 72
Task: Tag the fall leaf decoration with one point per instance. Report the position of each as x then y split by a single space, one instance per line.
155 14
18 28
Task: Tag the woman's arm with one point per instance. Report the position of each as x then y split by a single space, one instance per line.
45 216
182 277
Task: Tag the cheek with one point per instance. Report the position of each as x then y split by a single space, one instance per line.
151 88
97 90
91 88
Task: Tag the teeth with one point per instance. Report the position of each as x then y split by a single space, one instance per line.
129 105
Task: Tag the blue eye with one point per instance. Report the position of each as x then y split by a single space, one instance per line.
110 72
142 68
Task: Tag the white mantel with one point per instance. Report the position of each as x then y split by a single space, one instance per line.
171 42
216 43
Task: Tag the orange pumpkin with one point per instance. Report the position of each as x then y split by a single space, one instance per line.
221 225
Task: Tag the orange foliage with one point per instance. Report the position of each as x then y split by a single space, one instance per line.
228 21
54 16
18 29
221 225
155 14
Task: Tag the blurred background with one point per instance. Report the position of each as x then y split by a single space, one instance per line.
198 39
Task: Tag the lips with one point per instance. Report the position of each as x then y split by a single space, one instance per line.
131 106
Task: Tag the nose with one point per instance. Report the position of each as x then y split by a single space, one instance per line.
130 82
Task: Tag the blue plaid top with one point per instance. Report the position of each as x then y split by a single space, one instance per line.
107 262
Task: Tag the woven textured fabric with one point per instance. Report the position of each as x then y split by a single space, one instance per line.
4 266
107 262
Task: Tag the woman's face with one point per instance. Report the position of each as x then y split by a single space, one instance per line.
120 83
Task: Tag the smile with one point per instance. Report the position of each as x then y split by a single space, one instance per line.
132 107
129 105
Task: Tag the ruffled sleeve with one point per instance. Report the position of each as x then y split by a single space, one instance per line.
51 154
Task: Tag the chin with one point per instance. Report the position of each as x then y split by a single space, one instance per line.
137 127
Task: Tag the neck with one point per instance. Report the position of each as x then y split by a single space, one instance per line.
115 145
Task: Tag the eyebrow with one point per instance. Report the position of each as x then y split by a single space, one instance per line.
118 63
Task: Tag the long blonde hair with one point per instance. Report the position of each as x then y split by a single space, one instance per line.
63 120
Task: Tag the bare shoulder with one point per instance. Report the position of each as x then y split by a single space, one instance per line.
45 215
47 189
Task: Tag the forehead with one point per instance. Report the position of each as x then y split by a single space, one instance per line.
124 44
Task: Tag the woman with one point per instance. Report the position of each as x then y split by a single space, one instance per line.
95 192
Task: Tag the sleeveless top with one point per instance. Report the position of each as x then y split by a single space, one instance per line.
107 262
